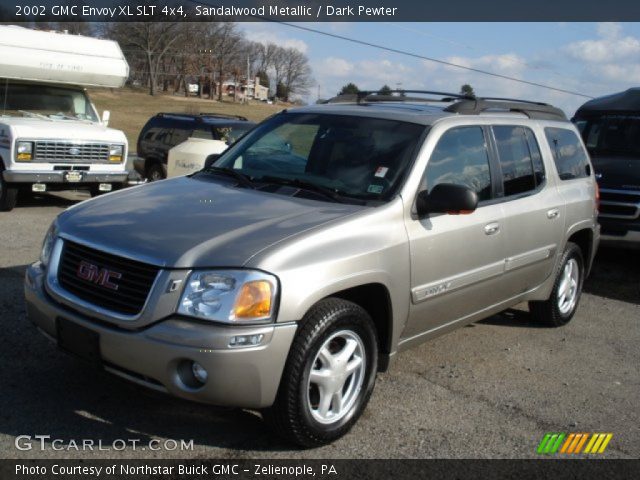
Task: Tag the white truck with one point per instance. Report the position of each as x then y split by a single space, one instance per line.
51 137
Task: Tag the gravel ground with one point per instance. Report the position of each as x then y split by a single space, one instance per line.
490 390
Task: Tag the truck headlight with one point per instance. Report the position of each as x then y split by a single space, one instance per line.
24 151
230 296
115 153
47 244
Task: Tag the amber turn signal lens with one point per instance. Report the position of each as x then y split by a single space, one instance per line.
254 300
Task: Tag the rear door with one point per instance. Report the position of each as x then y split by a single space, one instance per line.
457 261
533 210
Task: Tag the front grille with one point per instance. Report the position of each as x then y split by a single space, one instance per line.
618 210
70 152
88 282
619 203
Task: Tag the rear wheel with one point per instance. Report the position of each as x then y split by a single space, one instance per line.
560 307
329 375
8 194
156 172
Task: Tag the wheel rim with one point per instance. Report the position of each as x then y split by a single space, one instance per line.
336 377
568 288
154 176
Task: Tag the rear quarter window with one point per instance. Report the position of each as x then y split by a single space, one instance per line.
568 153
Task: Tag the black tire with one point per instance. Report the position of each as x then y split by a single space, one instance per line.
8 194
156 171
291 415
549 312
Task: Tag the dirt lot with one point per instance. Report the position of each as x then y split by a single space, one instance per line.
490 390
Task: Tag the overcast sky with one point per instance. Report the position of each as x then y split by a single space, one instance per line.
591 58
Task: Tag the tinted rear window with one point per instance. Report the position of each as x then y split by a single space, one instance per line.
570 158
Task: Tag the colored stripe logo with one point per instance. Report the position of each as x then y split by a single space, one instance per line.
573 443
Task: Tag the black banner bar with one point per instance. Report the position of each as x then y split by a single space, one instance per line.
261 469
18 11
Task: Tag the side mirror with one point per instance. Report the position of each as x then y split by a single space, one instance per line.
447 198
106 115
211 159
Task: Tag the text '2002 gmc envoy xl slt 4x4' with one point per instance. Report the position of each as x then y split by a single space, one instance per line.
286 274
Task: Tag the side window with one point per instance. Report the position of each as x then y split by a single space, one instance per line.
516 152
179 135
570 158
461 157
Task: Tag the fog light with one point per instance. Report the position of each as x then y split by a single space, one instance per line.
105 187
199 372
246 340
38 187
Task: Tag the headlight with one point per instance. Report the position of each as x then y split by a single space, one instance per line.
24 151
47 244
115 153
230 296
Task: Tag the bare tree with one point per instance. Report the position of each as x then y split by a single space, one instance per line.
225 42
297 72
152 40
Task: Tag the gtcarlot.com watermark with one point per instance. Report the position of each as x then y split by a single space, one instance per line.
46 442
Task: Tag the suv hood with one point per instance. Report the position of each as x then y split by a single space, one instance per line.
191 222
36 128
618 172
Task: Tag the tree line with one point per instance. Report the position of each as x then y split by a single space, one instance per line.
167 56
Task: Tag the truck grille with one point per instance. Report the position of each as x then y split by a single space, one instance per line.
620 203
69 152
115 283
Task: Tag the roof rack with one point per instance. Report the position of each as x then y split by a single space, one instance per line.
374 96
534 110
460 103
199 116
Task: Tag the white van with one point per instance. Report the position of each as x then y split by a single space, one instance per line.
51 137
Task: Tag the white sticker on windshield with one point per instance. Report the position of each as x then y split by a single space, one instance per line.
375 188
381 172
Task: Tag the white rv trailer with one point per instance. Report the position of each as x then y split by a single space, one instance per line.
51 136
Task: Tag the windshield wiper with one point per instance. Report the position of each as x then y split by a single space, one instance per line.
242 179
296 182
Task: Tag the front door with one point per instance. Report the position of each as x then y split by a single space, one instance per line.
457 261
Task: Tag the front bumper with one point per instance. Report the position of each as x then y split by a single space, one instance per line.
238 377
618 232
138 165
58 176
631 239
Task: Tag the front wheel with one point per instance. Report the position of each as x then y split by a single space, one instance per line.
156 172
329 375
559 309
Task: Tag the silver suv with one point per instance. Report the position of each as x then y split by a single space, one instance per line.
285 275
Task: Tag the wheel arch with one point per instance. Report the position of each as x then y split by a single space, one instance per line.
375 299
584 239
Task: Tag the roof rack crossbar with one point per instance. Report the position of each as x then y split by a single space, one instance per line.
459 103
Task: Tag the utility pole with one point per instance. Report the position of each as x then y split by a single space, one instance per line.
246 91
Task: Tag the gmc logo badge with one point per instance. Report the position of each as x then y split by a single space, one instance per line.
100 276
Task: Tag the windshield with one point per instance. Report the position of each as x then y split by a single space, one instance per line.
358 157
612 135
21 99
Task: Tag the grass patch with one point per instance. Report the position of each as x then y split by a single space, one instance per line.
130 109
